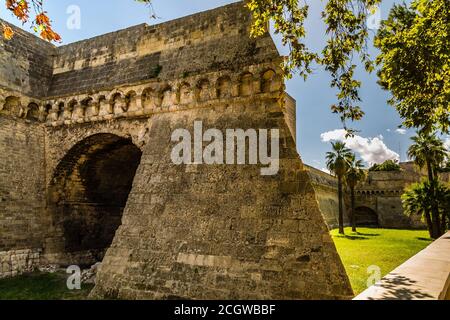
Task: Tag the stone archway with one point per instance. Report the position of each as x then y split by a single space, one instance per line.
87 195
365 216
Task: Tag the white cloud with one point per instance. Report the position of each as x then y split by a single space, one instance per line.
401 131
325 170
371 150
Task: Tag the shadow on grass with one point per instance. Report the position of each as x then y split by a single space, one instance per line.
358 236
368 234
351 237
424 239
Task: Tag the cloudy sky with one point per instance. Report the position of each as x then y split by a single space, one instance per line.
378 138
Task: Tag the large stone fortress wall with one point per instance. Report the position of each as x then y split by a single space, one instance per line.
325 186
107 189
26 64
378 198
25 73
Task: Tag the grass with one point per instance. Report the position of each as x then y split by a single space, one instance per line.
41 286
385 248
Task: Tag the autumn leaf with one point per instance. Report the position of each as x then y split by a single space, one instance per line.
42 19
19 8
48 34
7 32
41 23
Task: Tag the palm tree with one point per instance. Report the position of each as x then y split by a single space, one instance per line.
428 150
355 174
417 199
337 163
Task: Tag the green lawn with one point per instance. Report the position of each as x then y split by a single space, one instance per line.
41 286
385 248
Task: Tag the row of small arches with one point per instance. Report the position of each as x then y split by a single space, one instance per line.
13 106
378 192
157 97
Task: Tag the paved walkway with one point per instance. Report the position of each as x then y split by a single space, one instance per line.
426 276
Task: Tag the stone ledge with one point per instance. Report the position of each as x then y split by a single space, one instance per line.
426 276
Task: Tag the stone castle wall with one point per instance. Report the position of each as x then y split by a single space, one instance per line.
379 195
16 262
245 236
205 42
22 188
325 186
22 193
26 64
192 231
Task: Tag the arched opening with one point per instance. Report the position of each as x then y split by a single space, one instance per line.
166 98
105 108
185 94
89 191
149 99
131 101
66 113
91 108
246 85
203 88
119 104
11 106
33 112
267 81
366 217
224 87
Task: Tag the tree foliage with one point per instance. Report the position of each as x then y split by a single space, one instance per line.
388 165
33 11
354 175
355 171
418 199
347 37
428 150
40 22
415 62
337 162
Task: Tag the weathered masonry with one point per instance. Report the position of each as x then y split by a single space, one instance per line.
378 199
86 173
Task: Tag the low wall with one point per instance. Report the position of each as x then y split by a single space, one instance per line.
426 276
16 262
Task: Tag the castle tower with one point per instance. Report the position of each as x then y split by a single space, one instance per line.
193 231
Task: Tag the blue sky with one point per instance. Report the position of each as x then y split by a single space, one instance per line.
378 137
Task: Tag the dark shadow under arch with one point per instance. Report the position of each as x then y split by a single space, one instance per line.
366 217
88 193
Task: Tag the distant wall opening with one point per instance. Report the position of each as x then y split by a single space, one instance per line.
366 217
88 193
